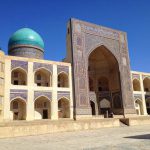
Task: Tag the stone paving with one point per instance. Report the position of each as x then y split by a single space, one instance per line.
119 138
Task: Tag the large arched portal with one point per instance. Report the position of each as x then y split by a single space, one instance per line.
104 69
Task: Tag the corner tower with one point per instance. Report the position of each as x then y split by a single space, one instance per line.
26 43
100 69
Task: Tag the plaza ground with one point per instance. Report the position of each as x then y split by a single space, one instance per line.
117 138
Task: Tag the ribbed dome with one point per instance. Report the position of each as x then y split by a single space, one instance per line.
26 36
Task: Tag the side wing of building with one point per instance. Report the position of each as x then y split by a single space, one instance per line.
141 92
34 89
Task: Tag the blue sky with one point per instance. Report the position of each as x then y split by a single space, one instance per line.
49 18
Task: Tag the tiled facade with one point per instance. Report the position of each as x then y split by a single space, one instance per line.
33 89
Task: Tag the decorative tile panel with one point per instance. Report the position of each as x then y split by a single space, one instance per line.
62 69
36 66
43 93
145 76
15 93
100 31
61 94
18 63
137 96
136 76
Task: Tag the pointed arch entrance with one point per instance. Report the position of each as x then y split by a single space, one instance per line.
18 108
63 108
42 107
104 69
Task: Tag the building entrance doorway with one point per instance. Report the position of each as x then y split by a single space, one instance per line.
45 114
15 116
93 107
148 106
104 80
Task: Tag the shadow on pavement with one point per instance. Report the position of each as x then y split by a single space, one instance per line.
144 136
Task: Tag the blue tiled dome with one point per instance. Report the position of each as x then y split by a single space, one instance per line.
26 36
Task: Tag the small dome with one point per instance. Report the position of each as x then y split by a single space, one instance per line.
26 36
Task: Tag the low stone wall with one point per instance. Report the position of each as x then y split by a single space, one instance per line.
15 129
141 120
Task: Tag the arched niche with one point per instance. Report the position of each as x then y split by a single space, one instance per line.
136 85
63 80
43 77
146 84
18 76
18 109
63 108
42 108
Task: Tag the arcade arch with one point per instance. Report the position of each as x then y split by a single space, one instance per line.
43 77
42 108
18 109
63 80
136 85
18 77
63 108
146 83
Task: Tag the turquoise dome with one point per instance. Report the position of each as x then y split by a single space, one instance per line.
26 36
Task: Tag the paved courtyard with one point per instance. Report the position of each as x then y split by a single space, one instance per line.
120 138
